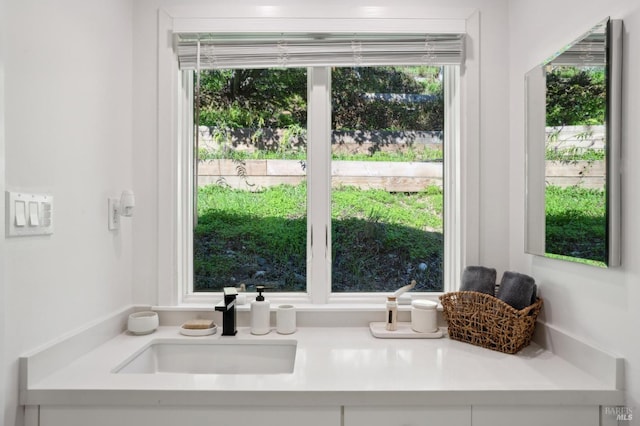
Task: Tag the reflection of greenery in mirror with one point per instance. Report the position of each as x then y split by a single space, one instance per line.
573 129
575 151
575 96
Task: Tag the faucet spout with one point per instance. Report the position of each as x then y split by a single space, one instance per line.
228 309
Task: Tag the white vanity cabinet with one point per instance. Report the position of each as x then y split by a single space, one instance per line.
408 416
356 381
445 415
191 416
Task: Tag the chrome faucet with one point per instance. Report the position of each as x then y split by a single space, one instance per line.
228 309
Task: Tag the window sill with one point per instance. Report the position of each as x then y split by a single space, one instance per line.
337 302
307 314
364 307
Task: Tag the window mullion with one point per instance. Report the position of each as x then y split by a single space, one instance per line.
187 183
453 241
319 184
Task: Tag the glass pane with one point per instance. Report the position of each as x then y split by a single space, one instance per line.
387 175
252 214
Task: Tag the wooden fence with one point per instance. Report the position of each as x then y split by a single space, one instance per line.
586 137
586 174
257 174
391 176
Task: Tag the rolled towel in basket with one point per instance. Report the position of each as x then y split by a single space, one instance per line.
479 278
517 289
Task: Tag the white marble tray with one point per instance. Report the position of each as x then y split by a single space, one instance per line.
404 331
198 331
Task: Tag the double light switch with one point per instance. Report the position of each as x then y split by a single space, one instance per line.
29 214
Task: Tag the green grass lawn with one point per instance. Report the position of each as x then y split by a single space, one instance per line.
380 240
576 224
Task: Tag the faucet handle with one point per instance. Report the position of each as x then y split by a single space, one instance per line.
229 299
230 291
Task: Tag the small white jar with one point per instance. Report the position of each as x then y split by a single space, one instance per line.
424 316
144 322
286 319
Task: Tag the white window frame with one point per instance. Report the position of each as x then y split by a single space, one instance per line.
175 193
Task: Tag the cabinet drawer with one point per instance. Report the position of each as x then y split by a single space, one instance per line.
536 415
408 416
191 416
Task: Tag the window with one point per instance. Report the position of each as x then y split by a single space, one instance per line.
375 225
386 179
319 240
251 222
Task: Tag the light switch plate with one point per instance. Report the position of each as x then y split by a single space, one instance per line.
28 214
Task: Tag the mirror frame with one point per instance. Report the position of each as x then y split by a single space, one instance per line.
535 123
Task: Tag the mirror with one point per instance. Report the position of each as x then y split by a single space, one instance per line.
573 103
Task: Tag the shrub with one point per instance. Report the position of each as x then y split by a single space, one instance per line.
575 96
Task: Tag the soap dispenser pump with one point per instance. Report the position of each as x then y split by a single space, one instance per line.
260 313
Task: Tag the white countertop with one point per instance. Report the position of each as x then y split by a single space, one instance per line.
333 366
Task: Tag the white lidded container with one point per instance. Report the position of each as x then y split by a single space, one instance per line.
424 316
144 322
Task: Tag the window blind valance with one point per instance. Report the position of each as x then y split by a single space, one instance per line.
590 51
197 51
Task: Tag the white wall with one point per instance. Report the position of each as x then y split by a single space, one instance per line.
68 98
493 211
596 305
3 299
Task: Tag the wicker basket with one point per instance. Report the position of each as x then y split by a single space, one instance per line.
483 320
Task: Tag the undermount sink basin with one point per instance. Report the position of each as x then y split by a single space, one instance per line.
212 357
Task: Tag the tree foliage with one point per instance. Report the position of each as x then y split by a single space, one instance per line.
575 96
352 110
276 98
253 98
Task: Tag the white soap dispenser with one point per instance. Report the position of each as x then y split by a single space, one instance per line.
260 313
